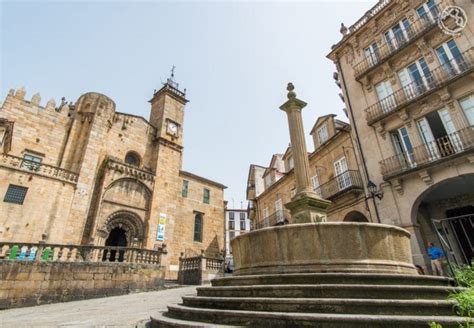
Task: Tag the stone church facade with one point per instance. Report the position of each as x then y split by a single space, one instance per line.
85 174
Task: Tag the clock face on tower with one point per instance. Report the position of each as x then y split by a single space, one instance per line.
172 128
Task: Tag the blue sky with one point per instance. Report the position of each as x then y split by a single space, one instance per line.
234 59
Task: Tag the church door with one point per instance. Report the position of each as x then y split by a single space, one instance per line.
117 238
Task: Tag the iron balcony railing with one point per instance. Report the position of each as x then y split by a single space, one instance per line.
436 79
431 152
399 41
349 180
278 218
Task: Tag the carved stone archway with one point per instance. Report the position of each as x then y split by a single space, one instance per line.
129 222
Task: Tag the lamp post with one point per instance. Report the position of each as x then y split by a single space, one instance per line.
374 191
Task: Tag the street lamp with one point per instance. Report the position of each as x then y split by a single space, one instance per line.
374 191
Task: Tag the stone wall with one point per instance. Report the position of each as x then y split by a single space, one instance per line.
34 283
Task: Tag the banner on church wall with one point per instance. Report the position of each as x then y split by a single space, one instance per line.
160 234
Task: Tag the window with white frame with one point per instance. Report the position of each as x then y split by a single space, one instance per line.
398 35
268 180
315 184
416 78
265 217
279 210
385 95
342 174
428 12
291 163
467 105
323 134
372 54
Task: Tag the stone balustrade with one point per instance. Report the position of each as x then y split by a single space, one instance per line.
77 253
199 269
18 163
129 170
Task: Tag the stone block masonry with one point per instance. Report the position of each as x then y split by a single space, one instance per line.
34 283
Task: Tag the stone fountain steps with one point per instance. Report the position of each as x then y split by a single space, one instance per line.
332 278
343 291
324 305
329 300
197 317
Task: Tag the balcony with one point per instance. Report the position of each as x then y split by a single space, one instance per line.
439 150
400 41
342 183
115 164
277 218
21 164
418 89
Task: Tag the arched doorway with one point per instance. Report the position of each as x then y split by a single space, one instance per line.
355 216
445 214
117 238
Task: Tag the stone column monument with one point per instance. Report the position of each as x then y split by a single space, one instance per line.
306 206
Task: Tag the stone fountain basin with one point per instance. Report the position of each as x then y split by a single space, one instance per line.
324 247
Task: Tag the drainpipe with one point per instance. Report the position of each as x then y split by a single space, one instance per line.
349 108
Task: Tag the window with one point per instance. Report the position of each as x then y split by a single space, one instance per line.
279 211
315 185
439 134
184 188
291 163
3 132
198 227
467 105
451 58
242 215
132 158
415 78
398 35
31 162
242 223
266 218
342 173
403 146
231 236
385 96
428 12
323 134
268 180
231 221
15 194
206 196
372 54
293 192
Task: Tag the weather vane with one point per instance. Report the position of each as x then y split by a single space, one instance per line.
170 81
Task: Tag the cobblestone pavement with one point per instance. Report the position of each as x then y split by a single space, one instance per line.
115 311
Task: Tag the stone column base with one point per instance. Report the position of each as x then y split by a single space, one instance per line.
307 207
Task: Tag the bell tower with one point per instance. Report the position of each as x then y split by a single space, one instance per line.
167 111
